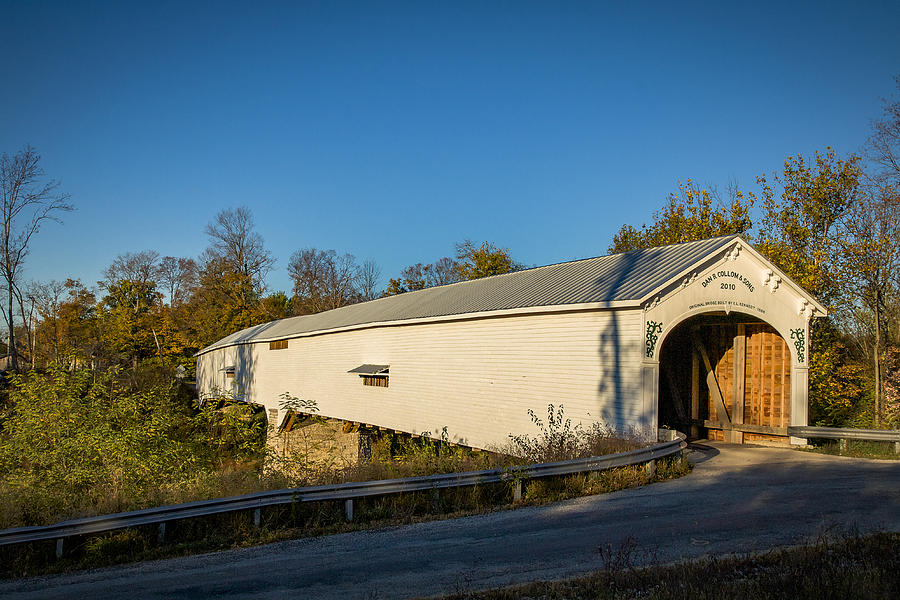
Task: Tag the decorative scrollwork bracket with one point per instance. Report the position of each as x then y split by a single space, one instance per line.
799 337
653 331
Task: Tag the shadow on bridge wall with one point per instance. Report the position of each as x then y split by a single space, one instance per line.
244 374
612 395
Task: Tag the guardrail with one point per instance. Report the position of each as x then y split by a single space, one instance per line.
844 433
344 491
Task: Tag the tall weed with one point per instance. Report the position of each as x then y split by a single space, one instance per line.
559 440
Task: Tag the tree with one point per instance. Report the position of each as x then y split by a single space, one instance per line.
876 255
48 299
27 200
395 286
892 388
691 214
26 301
240 249
485 260
442 272
128 316
323 280
472 262
801 231
222 303
177 277
839 381
801 225
369 274
275 306
870 257
67 331
411 278
883 147
231 276
139 267
419 276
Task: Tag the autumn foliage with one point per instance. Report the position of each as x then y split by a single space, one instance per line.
835 231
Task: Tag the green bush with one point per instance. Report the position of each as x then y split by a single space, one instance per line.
79 443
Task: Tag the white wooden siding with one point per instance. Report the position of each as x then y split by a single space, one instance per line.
477 378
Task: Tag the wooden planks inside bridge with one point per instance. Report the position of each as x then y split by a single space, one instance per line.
727 379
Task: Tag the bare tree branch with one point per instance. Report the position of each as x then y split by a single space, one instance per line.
140 267
323 280
26 202
177 277
883 147
368 277
233 240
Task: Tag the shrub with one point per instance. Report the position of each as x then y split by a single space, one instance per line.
78 443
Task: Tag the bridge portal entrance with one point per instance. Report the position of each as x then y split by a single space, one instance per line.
726 377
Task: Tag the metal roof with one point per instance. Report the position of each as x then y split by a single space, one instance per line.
629 276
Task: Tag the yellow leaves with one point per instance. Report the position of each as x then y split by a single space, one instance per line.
483 261
799 230
693 213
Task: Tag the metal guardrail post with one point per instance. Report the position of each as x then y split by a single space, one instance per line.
348 509
161 533
517 491
256 518
59 547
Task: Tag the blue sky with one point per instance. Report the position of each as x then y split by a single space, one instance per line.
391 130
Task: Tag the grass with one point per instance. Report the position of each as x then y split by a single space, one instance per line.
856 449
838 567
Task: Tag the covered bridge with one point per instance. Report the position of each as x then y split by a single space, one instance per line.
707 337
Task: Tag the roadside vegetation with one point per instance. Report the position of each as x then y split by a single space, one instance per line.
843 567
237 530
80 443
855 449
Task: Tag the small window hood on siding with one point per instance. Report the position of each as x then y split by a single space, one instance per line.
370 370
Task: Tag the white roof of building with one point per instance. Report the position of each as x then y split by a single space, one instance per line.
630 276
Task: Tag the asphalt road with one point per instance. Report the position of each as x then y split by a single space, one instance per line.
738 499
